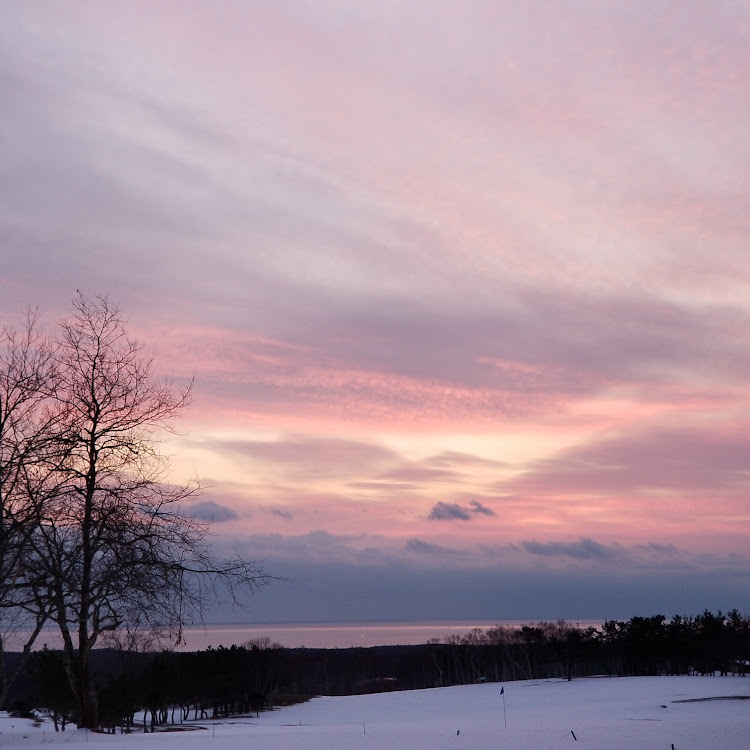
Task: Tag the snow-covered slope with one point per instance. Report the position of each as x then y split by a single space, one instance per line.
613 713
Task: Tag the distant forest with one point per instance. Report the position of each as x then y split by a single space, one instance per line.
169 687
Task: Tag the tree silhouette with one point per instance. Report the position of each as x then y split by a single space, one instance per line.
110 543
28 432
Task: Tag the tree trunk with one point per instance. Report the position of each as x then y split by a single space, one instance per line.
81 683
88 705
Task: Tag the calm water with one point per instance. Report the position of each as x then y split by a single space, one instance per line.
328 635
317 635
339 635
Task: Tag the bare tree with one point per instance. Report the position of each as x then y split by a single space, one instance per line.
28 426
112 539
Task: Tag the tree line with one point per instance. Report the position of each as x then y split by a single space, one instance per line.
94 539
146 690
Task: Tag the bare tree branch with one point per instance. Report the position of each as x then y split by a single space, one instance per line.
106 547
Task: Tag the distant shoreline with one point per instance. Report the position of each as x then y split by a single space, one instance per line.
344 634
322 634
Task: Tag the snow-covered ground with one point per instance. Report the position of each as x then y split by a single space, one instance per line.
643 713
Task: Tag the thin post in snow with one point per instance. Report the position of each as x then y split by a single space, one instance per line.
505 715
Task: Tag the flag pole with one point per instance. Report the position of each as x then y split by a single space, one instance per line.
505 715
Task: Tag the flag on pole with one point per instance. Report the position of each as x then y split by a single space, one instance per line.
502 690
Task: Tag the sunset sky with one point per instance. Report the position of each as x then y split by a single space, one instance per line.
464 284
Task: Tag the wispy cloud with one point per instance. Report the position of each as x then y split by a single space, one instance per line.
442 511
442 279
208 510
420 547
688 459
281 513
582 549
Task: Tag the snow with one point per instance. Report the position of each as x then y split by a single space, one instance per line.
616 713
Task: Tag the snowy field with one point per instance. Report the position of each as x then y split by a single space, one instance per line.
643 713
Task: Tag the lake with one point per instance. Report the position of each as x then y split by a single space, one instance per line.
339 635
314 635
327 634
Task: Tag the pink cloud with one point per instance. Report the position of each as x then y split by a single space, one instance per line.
396 242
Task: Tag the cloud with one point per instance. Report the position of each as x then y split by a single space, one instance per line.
305 457
686 460
558 346
421 547
449 512
477 507
315 547
658 551
322 545
383 487
401 237
443 511
368 576
458 458
420 475
208 510
582 549
442 590
281 513
658 557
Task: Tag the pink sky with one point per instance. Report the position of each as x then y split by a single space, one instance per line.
464 285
